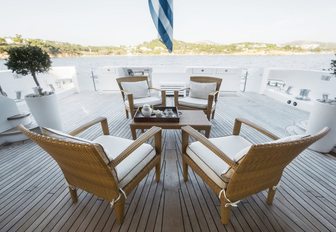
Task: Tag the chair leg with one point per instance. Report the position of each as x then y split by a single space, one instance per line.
73 193
185 170
157 171
225 213
208 114
119 207
270 196
127 114
213 114
132 112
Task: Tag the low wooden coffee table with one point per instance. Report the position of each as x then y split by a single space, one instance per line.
194 118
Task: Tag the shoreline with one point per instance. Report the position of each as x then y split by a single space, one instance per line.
4 57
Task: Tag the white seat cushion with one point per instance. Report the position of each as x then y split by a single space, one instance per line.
211 164
146 100
201 90
139 89
194 102
131 165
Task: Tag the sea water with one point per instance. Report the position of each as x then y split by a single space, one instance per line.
173 63
310 61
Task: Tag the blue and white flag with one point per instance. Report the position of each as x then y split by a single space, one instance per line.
162 15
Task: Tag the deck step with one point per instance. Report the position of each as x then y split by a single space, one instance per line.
14 135
18 116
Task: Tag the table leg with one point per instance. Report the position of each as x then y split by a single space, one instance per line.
207 132
133 131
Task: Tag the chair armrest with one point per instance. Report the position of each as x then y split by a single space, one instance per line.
154 131
163 94
130 100
211 99
123 91
239 121
125 94
188 130
177 91
101 120
155 89
215 95
163 97
176 95
182 89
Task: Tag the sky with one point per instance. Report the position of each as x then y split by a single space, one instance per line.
128 22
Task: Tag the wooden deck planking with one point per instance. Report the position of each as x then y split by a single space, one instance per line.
21 200
310 182
34 196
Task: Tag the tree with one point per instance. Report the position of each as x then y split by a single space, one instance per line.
18 39
26 60
2 41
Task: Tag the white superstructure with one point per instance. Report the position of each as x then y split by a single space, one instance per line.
296 88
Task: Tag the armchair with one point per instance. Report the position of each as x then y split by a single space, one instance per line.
136 92
109 167
203 95
234 168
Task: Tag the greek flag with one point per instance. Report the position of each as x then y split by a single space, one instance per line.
162 15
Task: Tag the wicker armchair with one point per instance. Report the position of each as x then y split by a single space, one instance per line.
108 167
234 168
207 105
131 103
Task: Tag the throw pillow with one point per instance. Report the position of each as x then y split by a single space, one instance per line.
63 136
201 90
289 138
139 89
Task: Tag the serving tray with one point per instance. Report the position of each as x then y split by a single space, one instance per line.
174 117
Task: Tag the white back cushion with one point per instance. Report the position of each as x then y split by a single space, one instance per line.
139 89
63 136
289 138
201 90
68 138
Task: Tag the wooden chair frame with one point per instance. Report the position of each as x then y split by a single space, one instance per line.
212 97
131 109
245 178
104 182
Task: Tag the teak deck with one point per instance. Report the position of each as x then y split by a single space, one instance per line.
34 196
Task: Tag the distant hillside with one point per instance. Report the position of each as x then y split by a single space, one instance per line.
322 45
55 48
155 47
180 47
